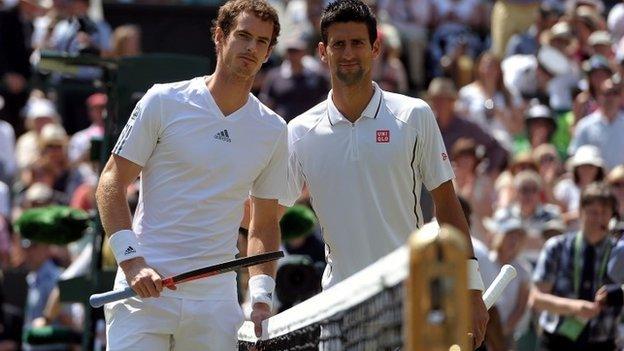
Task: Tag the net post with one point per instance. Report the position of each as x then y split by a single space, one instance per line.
437 306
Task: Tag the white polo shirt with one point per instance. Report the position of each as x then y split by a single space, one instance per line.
365 177
198 168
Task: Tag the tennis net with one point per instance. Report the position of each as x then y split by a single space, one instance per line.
363 312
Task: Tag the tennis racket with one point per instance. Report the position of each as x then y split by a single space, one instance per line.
99 300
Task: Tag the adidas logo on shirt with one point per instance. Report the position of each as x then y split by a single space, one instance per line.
129 250
223 136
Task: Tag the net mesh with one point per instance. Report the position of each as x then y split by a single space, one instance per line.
364 312
375 325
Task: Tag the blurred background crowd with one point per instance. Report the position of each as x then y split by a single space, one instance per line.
528 95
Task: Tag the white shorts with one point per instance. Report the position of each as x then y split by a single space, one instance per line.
169 323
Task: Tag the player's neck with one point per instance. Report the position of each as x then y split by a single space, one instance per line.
351 100
229 93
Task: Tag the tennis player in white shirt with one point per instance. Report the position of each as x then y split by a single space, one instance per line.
201 147
364 154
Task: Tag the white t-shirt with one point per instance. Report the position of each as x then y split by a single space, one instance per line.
198 168
365 177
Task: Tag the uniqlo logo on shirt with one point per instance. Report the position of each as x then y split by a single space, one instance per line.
383 136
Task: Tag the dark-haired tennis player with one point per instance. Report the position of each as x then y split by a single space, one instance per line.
364 154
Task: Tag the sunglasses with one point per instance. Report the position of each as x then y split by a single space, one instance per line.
547 159
611 92
528 190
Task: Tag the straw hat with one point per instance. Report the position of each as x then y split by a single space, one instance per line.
52 134
586 155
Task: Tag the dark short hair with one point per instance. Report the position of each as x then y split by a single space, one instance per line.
343 11
599 192
229 12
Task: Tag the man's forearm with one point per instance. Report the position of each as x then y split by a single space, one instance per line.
113 206
260 240
551 303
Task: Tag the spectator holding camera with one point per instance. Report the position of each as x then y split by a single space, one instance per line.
572 269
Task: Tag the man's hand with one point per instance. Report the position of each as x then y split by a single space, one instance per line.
259 313
585 309
480 317
143 279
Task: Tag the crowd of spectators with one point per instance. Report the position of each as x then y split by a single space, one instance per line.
528 95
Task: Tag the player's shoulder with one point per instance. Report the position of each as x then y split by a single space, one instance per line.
171 93
559 242
307 121
263 114
407 109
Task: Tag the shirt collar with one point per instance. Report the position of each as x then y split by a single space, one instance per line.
371 111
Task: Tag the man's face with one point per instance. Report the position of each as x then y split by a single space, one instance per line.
528 194
609 97
96 113
348 52
595 217
246 47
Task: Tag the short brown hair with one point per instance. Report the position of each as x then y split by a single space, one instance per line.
228 13
601 193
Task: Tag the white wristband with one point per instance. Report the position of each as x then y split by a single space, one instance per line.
261 288
475 282
124 245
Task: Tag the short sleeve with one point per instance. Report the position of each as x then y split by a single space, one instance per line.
140 135
546 269
271 182
433 161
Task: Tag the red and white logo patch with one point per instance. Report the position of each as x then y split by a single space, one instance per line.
383 136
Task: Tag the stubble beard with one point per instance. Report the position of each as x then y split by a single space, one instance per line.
350 79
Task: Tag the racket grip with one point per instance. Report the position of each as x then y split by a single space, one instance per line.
99 300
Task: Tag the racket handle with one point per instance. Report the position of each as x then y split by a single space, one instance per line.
99 300
493 293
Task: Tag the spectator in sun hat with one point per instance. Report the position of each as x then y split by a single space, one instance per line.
560 36
605 127
38 112
584 168
601 43
540 125
597 69
442 96
529 208
53 147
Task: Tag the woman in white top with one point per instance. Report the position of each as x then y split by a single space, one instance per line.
487 102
